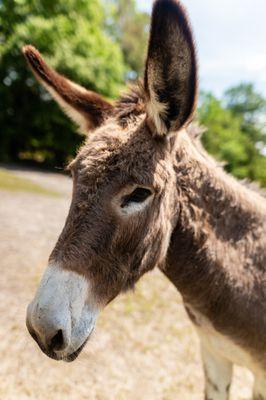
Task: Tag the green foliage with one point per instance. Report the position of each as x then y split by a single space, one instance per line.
130 27
71 36
245 101
235 132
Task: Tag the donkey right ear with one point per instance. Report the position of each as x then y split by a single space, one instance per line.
171 69
87 109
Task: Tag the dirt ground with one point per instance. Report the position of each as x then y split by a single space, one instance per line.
144 346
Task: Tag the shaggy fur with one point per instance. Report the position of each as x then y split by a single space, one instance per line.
202 228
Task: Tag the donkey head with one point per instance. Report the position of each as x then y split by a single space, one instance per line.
124 192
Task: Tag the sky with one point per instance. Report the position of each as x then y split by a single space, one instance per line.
231 41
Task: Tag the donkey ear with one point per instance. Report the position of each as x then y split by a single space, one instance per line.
171 68
87 109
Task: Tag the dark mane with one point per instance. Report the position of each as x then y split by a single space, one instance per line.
130 104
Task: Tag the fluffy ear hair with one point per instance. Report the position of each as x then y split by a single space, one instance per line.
171 69
87 109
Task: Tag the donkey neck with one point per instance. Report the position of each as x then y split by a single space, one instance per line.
217 243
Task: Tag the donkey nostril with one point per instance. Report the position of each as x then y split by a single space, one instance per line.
57 342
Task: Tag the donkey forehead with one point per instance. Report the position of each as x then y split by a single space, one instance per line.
127 152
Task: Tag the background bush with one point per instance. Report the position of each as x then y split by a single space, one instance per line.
236 130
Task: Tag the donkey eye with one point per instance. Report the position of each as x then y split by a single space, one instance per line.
139 195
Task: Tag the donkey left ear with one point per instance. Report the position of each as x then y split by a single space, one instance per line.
86 108
171 69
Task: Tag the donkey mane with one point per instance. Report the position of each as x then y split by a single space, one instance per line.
130 105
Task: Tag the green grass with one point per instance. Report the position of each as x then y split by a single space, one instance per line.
13 183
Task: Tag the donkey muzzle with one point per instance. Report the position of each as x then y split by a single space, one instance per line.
63 313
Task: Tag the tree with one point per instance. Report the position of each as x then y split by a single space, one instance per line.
235 133
130 27
250 106
245 101
71 36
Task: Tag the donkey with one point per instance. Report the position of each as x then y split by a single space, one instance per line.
146 194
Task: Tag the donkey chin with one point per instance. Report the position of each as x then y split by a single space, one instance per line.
62 316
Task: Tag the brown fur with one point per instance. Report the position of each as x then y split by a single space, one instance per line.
91 105
202 228
220 242
216 255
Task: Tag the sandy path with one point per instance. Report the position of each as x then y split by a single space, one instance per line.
144 346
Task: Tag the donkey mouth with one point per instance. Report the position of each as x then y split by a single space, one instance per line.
71 357
67 358
54 356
